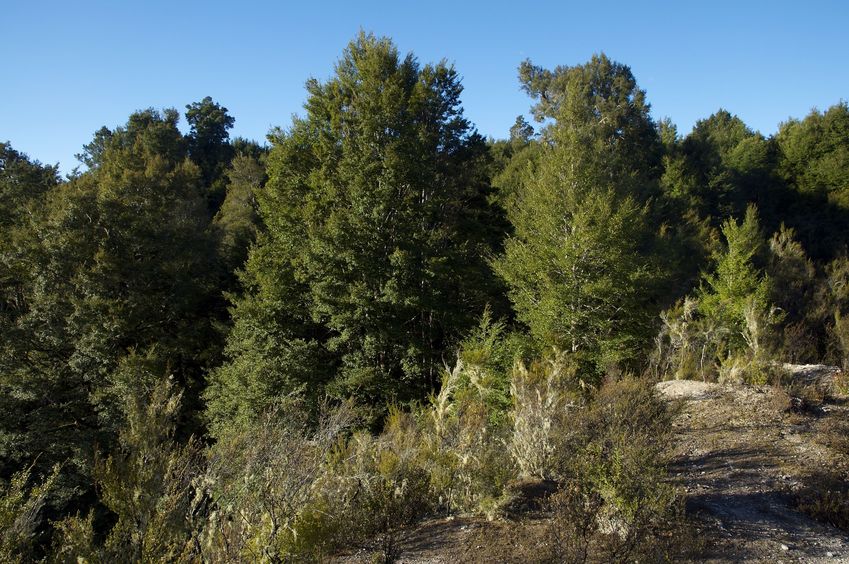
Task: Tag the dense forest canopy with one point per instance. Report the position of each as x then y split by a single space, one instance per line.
194 312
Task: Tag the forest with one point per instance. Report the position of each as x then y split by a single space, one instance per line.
221 350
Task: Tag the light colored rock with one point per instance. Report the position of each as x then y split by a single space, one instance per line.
687 389
822 376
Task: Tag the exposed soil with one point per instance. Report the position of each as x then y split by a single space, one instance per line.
744 456
743 459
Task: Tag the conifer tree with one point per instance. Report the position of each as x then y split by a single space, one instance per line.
377 231
738 283
122 262
579 267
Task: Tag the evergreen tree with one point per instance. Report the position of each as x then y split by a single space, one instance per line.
122 263
738 287
721 167
377 230
579 267
238 218
813 161
209 147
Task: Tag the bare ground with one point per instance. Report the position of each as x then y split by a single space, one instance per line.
740 455
743 460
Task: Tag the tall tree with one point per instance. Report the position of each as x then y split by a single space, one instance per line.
123 257
579 267
377 219
721 167
209 146
813 161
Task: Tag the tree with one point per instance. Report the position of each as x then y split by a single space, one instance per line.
813 159
377 225
209 146
238 218
721 167
24 185
579 266
739 286
122 262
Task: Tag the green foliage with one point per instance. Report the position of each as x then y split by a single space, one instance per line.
729 328
812 160
379 236
377 228
21 503
118 259
209 147
720 166
615 493
237 221
738 282
147 483
579 267
815 153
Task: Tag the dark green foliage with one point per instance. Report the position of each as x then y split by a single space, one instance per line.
121 261
378 240
579 267
23 188
209 147
148 483
238 219
378 226
813 162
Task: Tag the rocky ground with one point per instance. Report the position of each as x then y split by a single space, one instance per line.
745 461
745 456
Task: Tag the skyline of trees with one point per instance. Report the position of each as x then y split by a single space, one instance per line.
356 255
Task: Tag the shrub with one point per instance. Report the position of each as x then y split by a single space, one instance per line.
375 486
825 498
262 481
542 395
465 435
616 496
21 504
148 483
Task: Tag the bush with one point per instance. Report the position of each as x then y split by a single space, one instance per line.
615 497
542 396
148 483
263 480
21 504
465 437
825 498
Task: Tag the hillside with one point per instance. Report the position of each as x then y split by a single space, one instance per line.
747 458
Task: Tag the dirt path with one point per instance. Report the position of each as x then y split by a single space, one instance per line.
741 459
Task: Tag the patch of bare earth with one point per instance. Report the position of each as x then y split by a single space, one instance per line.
742 459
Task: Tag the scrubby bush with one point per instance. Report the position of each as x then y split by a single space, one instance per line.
148 483
21 503
615 501
262 482
465 439
543 394
375 486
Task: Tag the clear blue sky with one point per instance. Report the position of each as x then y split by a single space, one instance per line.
71 67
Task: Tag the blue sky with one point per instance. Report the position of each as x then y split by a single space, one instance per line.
71 67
